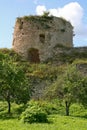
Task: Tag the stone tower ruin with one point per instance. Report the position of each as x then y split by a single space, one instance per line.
35 37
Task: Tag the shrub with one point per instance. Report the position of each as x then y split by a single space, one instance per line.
34 113
37 111
48 107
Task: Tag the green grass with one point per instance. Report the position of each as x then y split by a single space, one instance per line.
76 121
57 123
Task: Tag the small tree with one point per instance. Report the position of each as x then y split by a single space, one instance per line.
71 87
74 82
14 85
46 14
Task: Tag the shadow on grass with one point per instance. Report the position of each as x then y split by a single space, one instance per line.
79 116
15 113
84 116
6 116
48 122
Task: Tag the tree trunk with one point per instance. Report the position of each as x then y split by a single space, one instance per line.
8 101
67 108
9 107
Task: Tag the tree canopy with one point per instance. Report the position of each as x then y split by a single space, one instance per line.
14 85
70 87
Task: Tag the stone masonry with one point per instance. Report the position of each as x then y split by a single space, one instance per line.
35 36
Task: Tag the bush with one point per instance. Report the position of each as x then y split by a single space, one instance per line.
48 107
34 113
37 111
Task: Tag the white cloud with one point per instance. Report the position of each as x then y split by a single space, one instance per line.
72 12
40 9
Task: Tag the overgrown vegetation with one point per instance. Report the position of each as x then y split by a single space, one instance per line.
67 84
43 20
71 87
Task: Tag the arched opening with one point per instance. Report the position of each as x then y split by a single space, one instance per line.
33 55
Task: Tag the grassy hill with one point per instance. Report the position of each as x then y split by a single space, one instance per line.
41 76
77 121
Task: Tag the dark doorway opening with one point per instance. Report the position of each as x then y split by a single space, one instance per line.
33 55
42 38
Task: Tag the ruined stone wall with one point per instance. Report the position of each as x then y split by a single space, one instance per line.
41 33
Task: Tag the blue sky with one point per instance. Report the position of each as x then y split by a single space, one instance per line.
73 11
